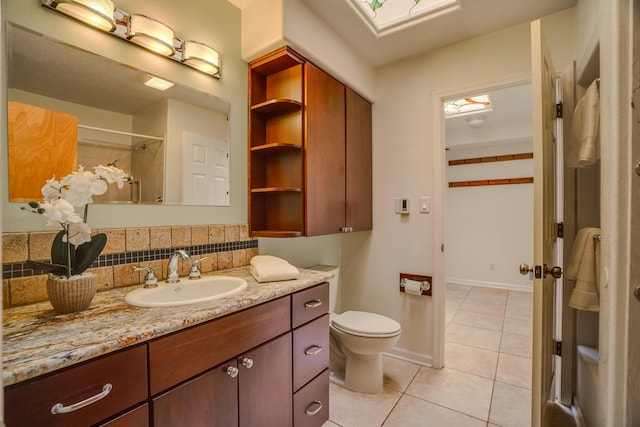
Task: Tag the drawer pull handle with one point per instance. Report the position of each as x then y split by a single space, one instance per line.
309 352
311 413
313 304
59 408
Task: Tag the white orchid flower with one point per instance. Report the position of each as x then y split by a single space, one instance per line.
112 175
79 233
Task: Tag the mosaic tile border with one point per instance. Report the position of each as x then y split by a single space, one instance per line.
22 269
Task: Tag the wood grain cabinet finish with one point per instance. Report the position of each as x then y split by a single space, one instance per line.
138 417
30 403
310 351
209 400
309 304
309 150
185 354
311 404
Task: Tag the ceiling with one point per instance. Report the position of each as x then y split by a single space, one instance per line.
472 18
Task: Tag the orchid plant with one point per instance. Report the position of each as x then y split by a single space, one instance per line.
74 249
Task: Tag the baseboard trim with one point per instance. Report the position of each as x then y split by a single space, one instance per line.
498 285
410 356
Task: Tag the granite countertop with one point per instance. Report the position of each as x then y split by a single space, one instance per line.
37 341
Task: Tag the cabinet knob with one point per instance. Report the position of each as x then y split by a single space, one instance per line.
247 362
232 371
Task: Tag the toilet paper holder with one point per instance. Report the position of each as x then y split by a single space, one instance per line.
425 287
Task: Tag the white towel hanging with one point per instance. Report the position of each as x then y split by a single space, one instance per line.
583 148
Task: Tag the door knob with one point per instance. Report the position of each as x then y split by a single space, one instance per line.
525 269
556 271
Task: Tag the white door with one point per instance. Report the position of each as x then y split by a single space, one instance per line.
545 240
205 170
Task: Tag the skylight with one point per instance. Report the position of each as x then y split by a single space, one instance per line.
385 15
469 105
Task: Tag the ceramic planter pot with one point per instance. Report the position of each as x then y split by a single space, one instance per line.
70 295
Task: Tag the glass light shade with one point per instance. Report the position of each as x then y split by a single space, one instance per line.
201 57
97 13
151 34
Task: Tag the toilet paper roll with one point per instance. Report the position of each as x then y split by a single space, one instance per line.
413 287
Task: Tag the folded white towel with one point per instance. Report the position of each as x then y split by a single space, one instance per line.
584 268
267 268
583 148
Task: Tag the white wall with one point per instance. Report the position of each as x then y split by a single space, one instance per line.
489 229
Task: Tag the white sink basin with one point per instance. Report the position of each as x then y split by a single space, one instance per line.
186 291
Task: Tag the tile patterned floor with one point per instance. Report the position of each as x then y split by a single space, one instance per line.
486 380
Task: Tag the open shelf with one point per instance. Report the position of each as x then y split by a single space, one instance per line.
275 189
277 106
275 147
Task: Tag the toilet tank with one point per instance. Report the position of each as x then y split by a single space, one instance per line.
333 283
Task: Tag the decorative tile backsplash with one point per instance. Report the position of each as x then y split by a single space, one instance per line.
219 247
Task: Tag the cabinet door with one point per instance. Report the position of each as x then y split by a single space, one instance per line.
209 400
265 385
325 152
138 417
358 163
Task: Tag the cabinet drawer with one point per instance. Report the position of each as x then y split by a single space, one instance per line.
311 403
30 403
180 356
138 417
309 304
310 350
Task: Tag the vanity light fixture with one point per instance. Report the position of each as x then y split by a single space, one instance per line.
142 30
150 34
201 57
97 13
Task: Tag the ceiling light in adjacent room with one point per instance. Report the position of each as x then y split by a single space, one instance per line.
151 34
201 57
476 121
155 82
97 13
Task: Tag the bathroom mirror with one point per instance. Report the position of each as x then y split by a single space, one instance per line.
174 143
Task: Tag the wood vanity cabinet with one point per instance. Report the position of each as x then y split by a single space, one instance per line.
263 366
237 371
30 402
309 150
310 323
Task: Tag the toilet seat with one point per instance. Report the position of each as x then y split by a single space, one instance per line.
365 324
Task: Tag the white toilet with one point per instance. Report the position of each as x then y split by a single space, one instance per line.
358 340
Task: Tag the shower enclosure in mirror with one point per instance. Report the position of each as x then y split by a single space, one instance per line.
174 143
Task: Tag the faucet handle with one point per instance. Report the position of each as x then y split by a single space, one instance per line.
150 279
194 272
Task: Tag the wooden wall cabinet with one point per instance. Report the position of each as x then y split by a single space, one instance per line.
309 150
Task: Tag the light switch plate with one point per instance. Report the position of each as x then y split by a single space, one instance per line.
425 204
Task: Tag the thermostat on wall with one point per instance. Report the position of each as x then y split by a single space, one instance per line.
402 205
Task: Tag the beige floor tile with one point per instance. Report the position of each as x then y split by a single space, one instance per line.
413 412
483 307
457 291
516 345
459 391
470 359
488 295
330 424
474 337
510 406
478 320
398 373
519 306
348 408
518 327
514 370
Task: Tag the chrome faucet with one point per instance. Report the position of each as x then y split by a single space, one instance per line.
172 268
